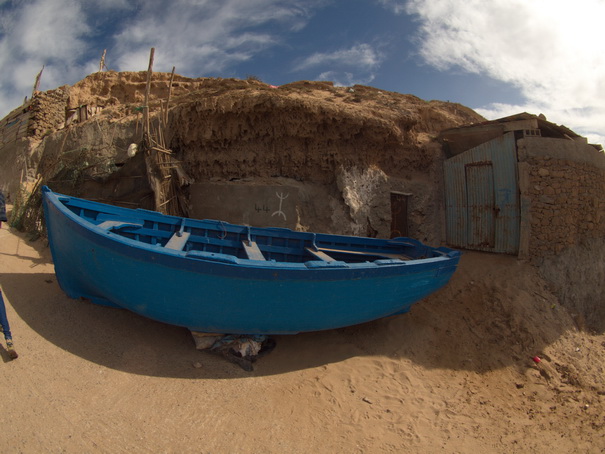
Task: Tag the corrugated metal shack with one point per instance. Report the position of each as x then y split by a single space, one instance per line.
522 185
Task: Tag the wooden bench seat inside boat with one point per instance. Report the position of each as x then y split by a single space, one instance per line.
320 255
376 254
115 224
178 241
252 250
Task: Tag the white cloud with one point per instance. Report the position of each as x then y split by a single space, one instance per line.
50 29
552 50
114 4
345 78
397 6
196 36
345 67
361 56
37 33
206 35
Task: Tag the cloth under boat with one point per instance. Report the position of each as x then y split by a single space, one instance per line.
245 345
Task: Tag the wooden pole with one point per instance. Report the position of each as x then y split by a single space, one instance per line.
102 62
37 82
147 90
169 95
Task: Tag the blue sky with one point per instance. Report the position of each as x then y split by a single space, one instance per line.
498 57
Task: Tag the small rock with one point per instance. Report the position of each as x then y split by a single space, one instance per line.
197 365
366 400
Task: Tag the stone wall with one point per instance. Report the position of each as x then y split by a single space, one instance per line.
562 183
567 204
47 112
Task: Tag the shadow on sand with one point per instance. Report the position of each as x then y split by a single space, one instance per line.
467 325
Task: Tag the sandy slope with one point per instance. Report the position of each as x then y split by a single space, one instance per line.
454 375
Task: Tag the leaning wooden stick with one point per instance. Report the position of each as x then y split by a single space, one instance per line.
6 330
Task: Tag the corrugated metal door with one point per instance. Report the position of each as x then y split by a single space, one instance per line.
482 197
480 204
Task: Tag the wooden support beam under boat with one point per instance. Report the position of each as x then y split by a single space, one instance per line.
252 250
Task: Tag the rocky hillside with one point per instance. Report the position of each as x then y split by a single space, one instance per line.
306 130
227 128
338 141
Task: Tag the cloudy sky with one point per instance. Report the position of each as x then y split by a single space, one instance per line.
498 57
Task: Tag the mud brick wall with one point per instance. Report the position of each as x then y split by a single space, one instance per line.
47 112
40 116
567 204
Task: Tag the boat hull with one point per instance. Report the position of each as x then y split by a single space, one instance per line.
217 294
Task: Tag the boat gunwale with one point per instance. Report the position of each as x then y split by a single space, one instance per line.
445 256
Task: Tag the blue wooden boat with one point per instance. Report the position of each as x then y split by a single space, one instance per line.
215 277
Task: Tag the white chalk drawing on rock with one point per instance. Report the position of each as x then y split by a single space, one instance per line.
281 198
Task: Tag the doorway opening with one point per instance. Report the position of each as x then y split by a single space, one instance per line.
399 214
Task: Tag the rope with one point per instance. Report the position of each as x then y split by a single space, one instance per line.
222 224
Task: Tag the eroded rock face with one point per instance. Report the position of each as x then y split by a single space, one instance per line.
355 145
307 131
348 146
362 192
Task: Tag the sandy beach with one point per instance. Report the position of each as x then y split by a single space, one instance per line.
456 374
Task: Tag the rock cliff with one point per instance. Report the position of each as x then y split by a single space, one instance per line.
347 145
